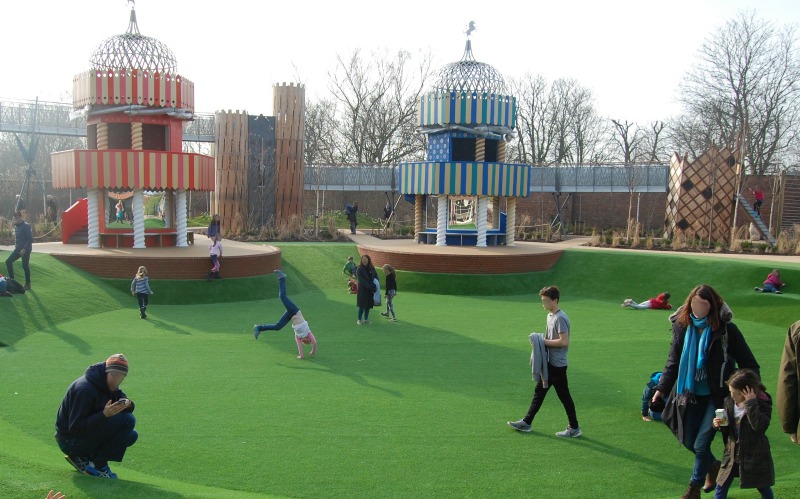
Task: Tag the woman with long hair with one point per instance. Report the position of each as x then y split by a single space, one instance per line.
705 345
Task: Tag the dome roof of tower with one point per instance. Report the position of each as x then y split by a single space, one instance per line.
132 50
469 75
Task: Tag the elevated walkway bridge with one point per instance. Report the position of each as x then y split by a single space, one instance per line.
53 118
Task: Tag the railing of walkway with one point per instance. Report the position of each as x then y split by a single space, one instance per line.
563 178
53 118
50 117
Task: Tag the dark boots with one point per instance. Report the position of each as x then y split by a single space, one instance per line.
212 275
216 275
693 492
142 314
711 478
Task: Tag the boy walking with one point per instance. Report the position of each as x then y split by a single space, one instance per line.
556 343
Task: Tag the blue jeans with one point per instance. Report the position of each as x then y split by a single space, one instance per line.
698 434
363 312
109 443
769 288
721 491
291 309
26 258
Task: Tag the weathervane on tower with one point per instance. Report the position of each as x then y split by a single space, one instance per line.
469 31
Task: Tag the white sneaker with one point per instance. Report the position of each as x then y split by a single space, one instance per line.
570 432
358 322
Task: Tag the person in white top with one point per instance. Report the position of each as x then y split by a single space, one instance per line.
302 332
215 252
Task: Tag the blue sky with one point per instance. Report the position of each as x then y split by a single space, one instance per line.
630 53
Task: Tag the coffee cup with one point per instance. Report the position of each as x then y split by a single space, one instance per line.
722 416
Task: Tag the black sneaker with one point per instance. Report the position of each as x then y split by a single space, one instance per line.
385 314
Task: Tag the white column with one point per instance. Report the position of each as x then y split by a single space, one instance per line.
482 224
93 198
138 219
180 219
511 221
441 221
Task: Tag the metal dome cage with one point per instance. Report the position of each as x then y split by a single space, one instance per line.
132 50
469 75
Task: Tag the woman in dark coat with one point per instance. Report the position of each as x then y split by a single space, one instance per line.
365 273
705 347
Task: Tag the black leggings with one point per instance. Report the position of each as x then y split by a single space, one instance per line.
557 379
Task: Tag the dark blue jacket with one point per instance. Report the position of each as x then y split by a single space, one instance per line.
24 236
81 411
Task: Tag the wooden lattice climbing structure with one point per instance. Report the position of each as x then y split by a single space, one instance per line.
700 195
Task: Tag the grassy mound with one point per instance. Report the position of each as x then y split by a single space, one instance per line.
415 408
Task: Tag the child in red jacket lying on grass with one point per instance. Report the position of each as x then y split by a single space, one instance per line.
659 302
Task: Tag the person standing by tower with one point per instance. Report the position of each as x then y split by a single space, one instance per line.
23 245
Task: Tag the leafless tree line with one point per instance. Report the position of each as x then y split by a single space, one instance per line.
742 89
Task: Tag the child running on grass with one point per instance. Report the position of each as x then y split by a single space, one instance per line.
748 411
302 333
391 291
140 288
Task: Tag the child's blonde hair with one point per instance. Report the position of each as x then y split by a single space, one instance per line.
141 272
388 268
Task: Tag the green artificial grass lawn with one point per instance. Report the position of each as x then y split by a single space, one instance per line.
416 408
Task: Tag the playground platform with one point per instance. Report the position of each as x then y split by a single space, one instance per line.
406 254
248 259
239 259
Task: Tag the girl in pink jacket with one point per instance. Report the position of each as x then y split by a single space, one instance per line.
773 283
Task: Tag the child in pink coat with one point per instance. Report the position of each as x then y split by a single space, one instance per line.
773 283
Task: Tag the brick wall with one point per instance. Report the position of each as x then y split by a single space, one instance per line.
172 268
602 210
449 263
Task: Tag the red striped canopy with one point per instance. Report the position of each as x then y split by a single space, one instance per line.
129 169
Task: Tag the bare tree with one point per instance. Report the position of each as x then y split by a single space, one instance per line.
321 133
652 148
746 80
376 102
534 120
629 138
556 123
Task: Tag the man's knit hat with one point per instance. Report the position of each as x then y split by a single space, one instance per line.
117 363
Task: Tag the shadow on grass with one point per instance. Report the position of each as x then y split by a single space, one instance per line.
331 366
648 465
166 326
104 487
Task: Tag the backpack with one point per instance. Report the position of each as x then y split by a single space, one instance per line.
348 210
14 287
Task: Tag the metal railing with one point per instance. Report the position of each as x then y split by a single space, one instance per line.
53 118
572 178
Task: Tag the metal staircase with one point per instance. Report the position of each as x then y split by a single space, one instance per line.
756 220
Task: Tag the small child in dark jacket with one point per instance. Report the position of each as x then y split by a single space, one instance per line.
140 288
648 414
391 291
747 412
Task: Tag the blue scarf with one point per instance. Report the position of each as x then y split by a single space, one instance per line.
692 367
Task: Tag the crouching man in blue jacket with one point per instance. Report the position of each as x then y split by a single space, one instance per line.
95 420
